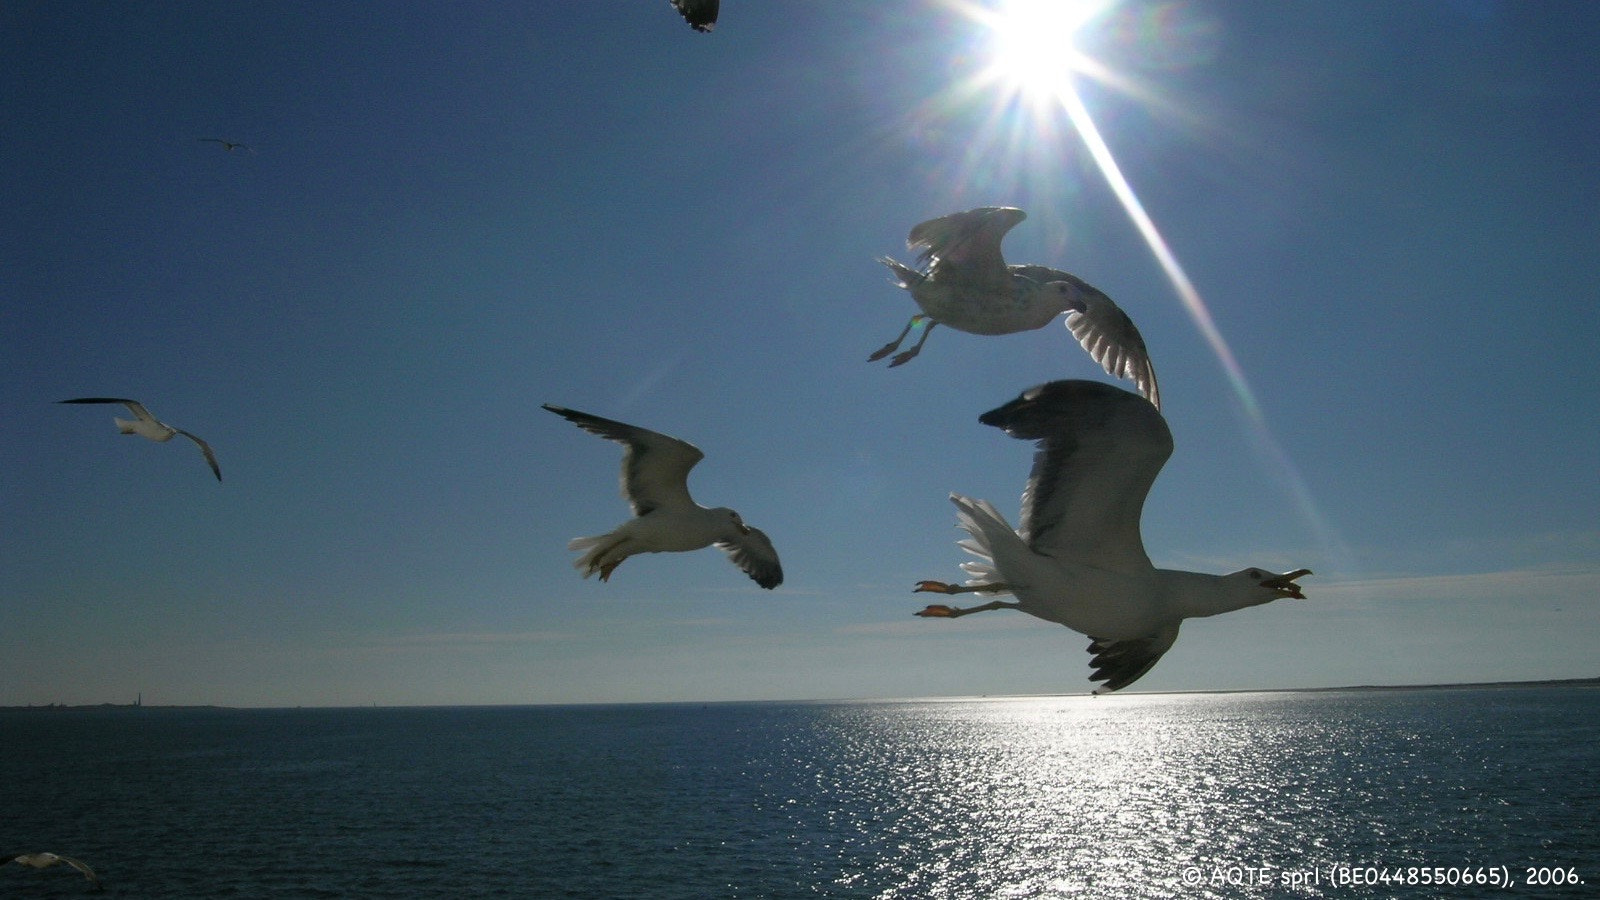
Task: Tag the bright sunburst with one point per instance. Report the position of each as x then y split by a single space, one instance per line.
1034 55
1035 49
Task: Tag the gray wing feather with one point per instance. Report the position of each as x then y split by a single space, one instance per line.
1118 664
754 554
655 466
205 450
965 246
1105 331
1100 450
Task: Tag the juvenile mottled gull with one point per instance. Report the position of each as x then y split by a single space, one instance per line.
655 482
146 425
46 860
966 284
1078 558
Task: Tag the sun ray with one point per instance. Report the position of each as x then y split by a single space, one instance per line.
1036 59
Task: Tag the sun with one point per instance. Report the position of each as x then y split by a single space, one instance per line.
1034 44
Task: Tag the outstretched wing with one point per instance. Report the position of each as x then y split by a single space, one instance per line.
205 449
46 859
754 554
1099 450
1120 663
655 467
965 246
133 406
1104 331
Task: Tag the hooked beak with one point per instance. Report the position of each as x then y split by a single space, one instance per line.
1284 584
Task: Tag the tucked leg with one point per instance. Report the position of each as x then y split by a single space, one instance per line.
940 611
940 587
903 358
895 344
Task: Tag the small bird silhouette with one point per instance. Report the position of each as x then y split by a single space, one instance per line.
46 859
146 425
227 145
655 476
700 14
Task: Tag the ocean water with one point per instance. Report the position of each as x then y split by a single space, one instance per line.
1270 794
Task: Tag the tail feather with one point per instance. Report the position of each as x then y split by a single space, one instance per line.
600 553
908 276
988 527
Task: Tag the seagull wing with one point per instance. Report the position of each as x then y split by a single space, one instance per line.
753 552
1100 449
700 14
655 467
80 866
1121 663
965 246
134 406
1104 331
205 449
46 859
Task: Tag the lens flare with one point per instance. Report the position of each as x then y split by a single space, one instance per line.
1035 49
1035 54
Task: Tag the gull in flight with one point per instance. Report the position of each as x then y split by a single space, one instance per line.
146 425
966 284
226 145
46 860
1078 559
655 475
700 14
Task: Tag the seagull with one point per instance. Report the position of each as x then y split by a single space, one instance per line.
967 285
1078 559
146 425
226 145
700 14
655 474
46 860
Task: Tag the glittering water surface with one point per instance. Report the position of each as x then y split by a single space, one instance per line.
1118 796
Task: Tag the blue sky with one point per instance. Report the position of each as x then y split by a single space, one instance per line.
455 212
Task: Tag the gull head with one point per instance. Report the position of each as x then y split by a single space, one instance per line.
1280 585
735 520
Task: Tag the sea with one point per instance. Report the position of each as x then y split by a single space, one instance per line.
1436 792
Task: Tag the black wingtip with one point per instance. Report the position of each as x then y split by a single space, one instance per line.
1036 409
700 14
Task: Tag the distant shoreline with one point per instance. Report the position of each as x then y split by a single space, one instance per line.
1549 682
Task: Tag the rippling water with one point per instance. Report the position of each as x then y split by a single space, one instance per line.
1116 796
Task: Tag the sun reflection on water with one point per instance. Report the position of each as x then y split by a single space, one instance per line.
1108 796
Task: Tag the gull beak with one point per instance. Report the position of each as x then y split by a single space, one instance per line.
743 528
1284 584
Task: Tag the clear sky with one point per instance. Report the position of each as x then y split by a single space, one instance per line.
450 213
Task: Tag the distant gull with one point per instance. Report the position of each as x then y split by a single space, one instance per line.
146 425
46 860
655 475
700 14
966 284
226 145
1078 559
